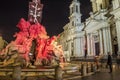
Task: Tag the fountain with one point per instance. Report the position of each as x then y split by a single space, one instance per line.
32 48
33 51
34 45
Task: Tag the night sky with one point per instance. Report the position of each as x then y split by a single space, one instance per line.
55 15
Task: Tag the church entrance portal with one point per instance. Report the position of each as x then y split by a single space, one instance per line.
97 48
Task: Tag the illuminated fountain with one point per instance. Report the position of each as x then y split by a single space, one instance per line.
33 44
33 48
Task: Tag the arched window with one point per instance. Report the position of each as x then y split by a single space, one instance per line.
72 23
76 8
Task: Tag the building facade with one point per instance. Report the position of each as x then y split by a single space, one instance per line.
98 35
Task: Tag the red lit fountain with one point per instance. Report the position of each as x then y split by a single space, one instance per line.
33 44
32 48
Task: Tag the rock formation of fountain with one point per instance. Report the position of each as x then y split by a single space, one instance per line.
34 46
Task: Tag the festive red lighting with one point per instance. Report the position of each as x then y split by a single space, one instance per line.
45 48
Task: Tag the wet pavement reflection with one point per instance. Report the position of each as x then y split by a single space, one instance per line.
103 75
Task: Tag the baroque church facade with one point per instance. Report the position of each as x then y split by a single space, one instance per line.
97 35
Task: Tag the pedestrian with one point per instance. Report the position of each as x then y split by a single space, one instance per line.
109 61
97 61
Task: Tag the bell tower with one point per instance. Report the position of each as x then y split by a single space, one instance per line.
97 5
75 14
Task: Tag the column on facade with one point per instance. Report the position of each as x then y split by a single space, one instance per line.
113 3
103 4
101 41
88 45
109 44
94 5
107 37
69 50
110 40
91 45
107 3
116 3
77 47
94 52
118 33
105 41
69 47
98 5
74 47
82 46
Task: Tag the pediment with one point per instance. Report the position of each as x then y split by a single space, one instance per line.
91 24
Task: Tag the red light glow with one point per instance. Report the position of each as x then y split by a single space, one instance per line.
45 46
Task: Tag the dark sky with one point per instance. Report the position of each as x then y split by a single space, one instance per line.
55 15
